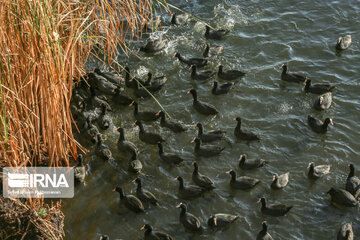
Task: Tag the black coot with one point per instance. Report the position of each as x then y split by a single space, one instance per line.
210 136
291 76
154 235
200 179
215 34
206 150
221 89
243 134
130 201
318 88
275 210
126 147
243 182
213 50
229 74
319 126
171 123
148 137
221 220
202 107
263 234
198 62
188 220
169 157
189 191
352 182
144 195
248 164
147 116
340 197
201 75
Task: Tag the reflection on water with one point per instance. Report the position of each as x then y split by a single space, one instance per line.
264 34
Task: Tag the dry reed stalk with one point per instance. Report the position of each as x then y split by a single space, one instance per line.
44 45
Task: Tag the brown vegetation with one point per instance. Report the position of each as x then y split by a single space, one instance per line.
43 47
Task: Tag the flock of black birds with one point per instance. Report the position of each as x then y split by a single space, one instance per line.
111 84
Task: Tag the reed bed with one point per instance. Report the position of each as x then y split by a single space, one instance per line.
44 45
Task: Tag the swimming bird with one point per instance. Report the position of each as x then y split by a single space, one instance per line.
156 83
110 76
96 101
104 237
202 107
146 116
189 191
248 164
130 201
318 88
188 220
143 91
201 75
170 123
221 220
148 137
221 89
214 50
323 101
103 120
263 234
134 165
342 197
316 172
275 210
210 136
198 62
154 235
243 134
280 181
215 34
291 76
131 81
91 130
343 42
144 195
101 83
229 74
154 46
121 99
200 179
319 126
243 182
352 181
103 150
126 147
179 19
171 158
80 170
346 232
206 150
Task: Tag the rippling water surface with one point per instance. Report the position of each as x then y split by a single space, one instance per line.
264 34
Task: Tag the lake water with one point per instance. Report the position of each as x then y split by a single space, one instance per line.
264 35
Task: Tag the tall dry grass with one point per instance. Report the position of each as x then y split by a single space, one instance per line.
44 45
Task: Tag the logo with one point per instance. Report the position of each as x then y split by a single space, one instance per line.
38 182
